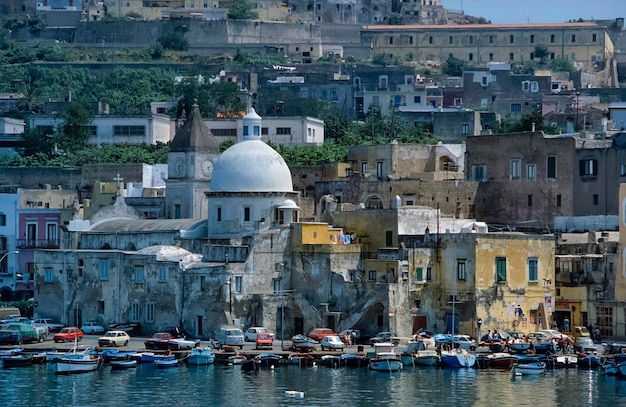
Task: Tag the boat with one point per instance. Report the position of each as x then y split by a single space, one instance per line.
519 347
268 359
545 347
566 361
22 360
201 356
250 365
353 360
407 359
236 359
165 363
10 352
149 357
529 368
501 360
609 368
524 359
621 368
301 360
457 358
183 344
385 359
426 358
123 364
589 361
301 343
331 361
77 362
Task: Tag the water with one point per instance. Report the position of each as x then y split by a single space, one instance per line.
217 385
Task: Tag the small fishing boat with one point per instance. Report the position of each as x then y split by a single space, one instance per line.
78 362
301 360
501 360
268 359
236 359
589 361
123 364
609 368
519 347
353 360
457 358
529 368
149 357
10 352
250 365
183 344
165 363
426 358
201 356
385 359
21 360
545 347
566 361
331 361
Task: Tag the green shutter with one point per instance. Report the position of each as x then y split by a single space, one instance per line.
418 274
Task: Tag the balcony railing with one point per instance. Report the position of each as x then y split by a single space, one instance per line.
37 244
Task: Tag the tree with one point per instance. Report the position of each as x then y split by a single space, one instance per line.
73 134
541 52
174 41
454 66
561 65
241 10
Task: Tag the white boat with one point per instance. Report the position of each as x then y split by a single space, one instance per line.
385 359
81 362
529 368
201 356
426 358
457 358
236 359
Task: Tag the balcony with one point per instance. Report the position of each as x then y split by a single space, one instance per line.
37 244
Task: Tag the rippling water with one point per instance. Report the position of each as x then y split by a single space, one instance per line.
217 385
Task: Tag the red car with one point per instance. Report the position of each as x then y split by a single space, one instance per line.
264 341
159 340
319 333
68 335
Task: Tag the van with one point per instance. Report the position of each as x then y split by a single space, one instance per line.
231 337
9 312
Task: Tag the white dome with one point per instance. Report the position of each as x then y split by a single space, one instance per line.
251 166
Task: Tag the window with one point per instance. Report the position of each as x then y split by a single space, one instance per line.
129 130
410 39
531 171
429 274
471 56
134 311
552 55
104 269
595 199
529 199
417 99
594 37
500 269
573 37
139 275
372 275
480 172
246 214
532 39
622 170
450 40
465 128
430 39
238 284
282 131
604 320
525 85
348 172
534 86
419 274
51 232
177 211
471 39
100 307
558 200
491 56
511 39
364 167
588 167
551 172
3 219
516 107
390 40
511 56
219 213
491 39
379 169
460 270
149 312
162 274
515 166
48 275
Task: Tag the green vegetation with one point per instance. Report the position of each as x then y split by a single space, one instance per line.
242 10
524 124
454 66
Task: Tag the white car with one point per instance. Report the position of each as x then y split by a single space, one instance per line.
91 328
465 342
331 343
114 338
253 331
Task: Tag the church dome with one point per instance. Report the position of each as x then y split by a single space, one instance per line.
251 166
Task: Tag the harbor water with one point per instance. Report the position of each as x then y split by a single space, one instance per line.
219 385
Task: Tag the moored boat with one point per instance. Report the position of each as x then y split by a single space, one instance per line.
519 347
149 357
426 358
534 368
22 360
589 361
501 360
201 356
385 359
331 361
165 363
457 358
250 365
302 360
353 360
123 364
236 359
77 363
566 361
268 359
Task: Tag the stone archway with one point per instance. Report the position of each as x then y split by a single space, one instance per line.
6 294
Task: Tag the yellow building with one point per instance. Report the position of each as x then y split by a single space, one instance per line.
482 43
614 315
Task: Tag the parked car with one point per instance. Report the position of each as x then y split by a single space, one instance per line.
92 328
464 342
264 340
114 338
331 343
585 344
581 331
17 319
159 340
252 332
539 336
231 337
553 333
52 326
68 334
385 337
319 333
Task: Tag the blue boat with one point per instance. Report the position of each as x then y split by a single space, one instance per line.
589 361
457 358
165 363
123 364
529 368
149 357
545 347
268 359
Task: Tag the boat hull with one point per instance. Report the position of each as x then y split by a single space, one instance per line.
123 364
9 362
386 365
165 363
201 357
536 368
458 360
66 365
